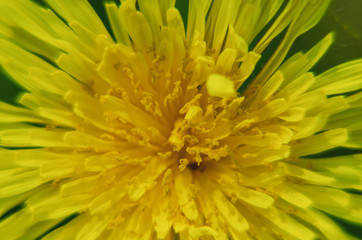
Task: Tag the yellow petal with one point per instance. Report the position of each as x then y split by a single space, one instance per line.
220 86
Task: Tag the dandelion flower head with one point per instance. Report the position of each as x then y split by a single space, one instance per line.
158 130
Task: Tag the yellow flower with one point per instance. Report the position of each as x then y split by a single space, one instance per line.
144 135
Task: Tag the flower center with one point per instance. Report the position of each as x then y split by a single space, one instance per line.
184 107
199 136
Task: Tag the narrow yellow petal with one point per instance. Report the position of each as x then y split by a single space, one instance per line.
20 183
81 12
31 137
220 86
296 87
304 16
117 23
146 179
196 19
230 213
305 174
183 184
174 21
309 126
9 113
292 227
16 225
320 142
340 79
288 193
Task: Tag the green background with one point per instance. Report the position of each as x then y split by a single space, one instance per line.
343 17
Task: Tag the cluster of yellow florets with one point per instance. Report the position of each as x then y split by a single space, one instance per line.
145 136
